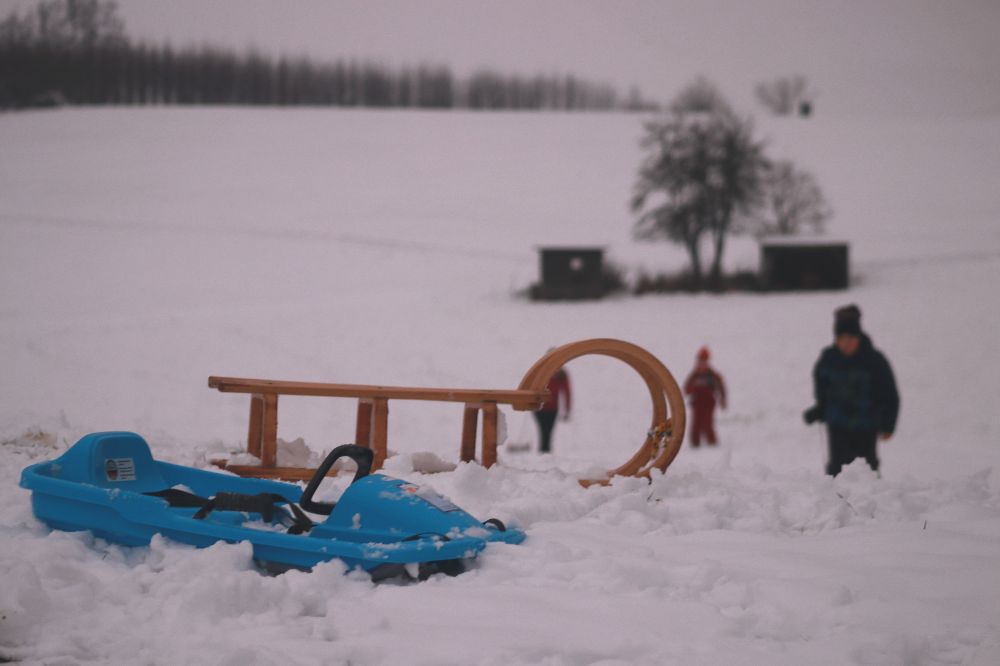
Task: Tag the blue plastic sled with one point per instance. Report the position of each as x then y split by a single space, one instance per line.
110 484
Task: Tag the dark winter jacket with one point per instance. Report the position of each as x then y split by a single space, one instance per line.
856 392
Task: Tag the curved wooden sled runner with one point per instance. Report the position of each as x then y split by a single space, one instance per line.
662 441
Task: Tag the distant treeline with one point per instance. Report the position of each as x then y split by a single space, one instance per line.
75 51
142 74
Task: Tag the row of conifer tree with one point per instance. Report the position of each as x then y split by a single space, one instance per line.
126 73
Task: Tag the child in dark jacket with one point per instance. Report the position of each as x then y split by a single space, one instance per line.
855 392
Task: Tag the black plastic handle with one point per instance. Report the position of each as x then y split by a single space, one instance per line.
361 455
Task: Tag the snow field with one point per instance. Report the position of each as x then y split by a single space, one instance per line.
143 250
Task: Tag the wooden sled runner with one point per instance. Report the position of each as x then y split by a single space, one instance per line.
659 447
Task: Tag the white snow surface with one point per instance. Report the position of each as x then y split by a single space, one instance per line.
143 250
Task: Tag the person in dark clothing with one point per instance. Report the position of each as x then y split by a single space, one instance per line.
705 387
855 392
559 395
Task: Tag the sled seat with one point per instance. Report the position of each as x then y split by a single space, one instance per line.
117 460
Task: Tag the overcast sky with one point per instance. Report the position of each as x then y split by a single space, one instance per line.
861 56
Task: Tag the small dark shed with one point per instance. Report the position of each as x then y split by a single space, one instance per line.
570 273
798 264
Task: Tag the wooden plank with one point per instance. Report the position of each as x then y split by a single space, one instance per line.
363 429
469 425
380 432
489 434
519 398
256 424
269 432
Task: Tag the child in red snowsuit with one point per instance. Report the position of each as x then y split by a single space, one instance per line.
705 386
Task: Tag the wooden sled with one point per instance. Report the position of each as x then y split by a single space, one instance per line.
658 449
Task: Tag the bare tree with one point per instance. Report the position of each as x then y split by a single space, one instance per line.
704 170
792 202
785 95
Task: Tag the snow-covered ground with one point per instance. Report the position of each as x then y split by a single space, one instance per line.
143 250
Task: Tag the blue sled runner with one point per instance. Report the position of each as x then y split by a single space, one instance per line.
110 484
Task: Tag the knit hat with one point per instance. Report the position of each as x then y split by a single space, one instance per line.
847 320
703 354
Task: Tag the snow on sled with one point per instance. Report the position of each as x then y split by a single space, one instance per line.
110 484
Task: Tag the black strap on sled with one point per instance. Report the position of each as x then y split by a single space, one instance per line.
300 521
268 505
262 503
180 498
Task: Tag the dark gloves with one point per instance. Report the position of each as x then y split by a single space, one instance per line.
812 415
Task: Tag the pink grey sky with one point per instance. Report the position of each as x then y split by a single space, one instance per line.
861 56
